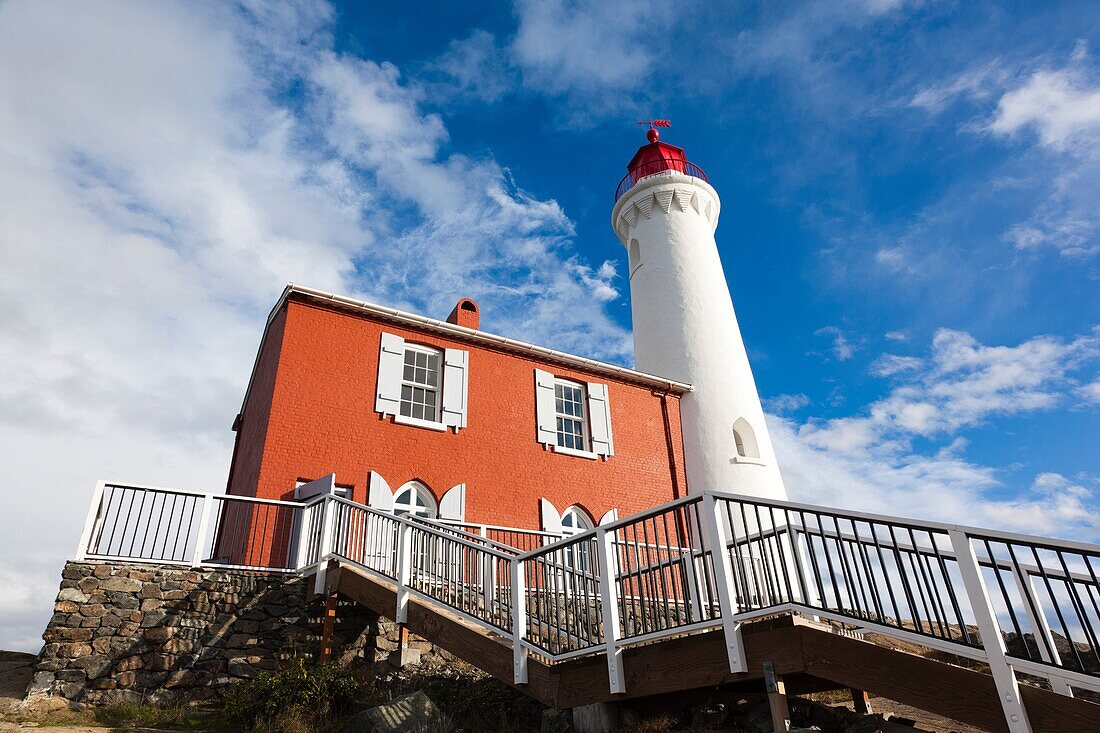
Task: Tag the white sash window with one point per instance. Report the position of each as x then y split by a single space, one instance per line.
573 417
420 385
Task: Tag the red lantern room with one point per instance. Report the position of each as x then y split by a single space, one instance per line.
656 157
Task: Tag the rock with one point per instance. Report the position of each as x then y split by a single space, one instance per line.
94 665
555 720
74 595
41 682
758 719
128 585
708 717
406 714
596 718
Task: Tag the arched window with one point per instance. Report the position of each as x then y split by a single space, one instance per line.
744 439
414 499
574 521
634 257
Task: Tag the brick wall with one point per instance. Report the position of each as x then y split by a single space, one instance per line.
316 416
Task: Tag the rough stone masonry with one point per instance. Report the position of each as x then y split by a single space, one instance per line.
125 632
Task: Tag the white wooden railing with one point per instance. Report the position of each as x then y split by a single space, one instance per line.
1022 605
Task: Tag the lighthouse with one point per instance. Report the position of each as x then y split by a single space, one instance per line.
685 327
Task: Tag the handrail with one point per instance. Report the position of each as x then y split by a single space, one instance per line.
654 167
713 560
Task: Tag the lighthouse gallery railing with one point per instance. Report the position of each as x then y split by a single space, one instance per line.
1017 603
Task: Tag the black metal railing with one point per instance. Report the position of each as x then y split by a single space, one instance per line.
653 167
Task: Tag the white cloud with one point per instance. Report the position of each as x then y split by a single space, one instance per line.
897 336
843 349
1090 392
472 68
891 364
866 461
1055 110
159 188
785 403
981 82
1062 106
590 47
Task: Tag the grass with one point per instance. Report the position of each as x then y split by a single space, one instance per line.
133 715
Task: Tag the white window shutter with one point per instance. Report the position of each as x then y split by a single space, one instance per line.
611 515
549 517
544 408
391 360
379 495
317 487
599 418
453 503
455 371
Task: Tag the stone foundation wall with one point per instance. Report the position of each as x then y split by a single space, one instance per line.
124 632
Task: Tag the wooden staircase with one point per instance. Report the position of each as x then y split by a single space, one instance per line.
810 656
694 594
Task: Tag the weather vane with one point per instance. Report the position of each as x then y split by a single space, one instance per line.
651 134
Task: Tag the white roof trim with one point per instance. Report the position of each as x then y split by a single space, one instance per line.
466 334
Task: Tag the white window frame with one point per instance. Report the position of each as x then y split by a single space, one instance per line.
438 423
586 432
409 508
594 418
575 521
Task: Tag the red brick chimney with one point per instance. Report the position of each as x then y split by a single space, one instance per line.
466 314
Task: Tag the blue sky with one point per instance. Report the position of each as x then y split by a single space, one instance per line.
909 226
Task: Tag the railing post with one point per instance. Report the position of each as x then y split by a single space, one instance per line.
90 521
204 525
404 571
519 623
691 580
1008 689
324 547
609 600
714 524
488 575
305 526
1044 639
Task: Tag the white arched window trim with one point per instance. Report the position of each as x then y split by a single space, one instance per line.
746 447
414 498
574 521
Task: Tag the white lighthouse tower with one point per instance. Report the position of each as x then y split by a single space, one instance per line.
684 326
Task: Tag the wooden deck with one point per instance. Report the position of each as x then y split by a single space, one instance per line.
809 656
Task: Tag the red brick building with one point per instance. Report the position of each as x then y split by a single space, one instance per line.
442 419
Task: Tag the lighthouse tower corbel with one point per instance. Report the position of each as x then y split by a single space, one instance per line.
684 325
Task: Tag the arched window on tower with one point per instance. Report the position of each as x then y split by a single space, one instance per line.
744 439
634 257
414 499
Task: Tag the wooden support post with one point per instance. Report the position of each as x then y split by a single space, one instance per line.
860 701
327 625
777 699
